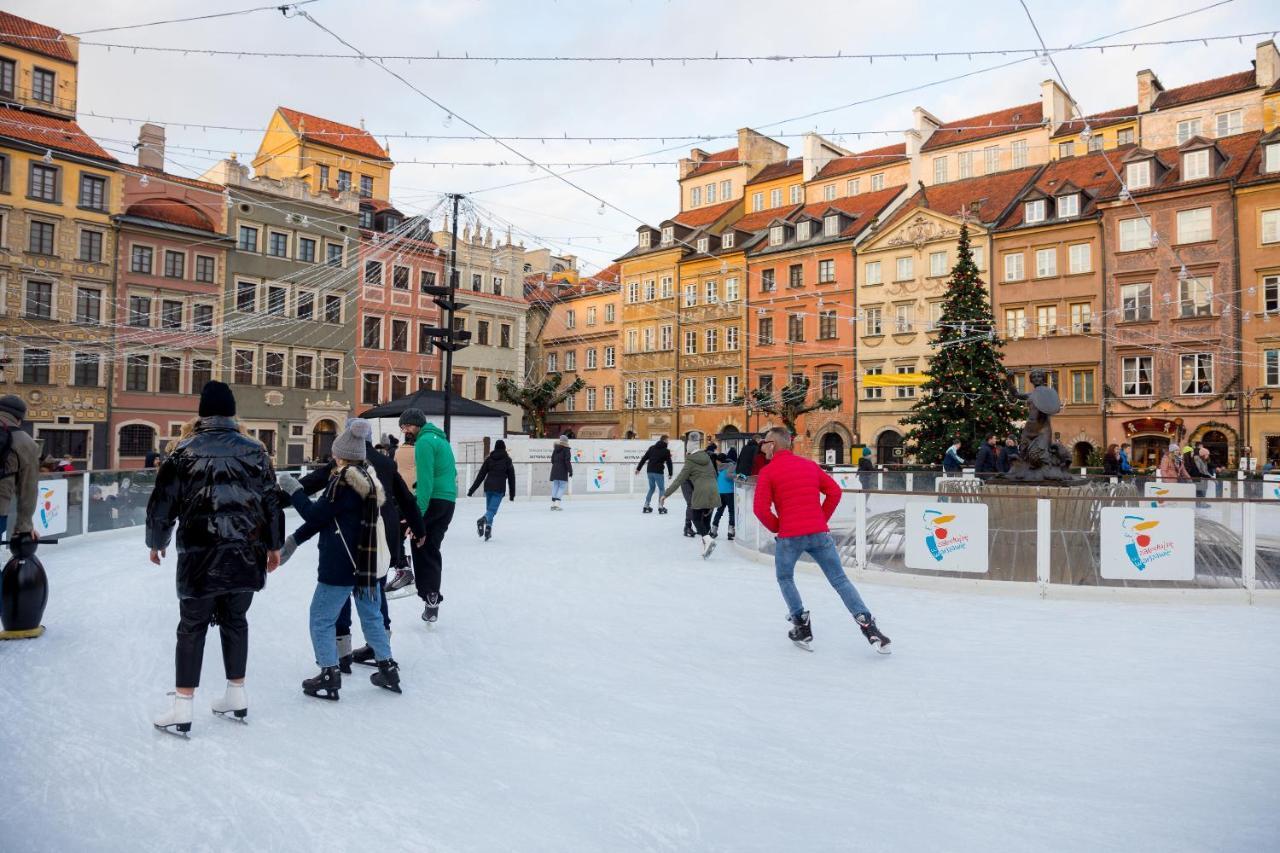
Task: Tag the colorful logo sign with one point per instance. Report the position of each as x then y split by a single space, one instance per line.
602 455
1159 491
1148 544
947 537
937 536
1137 531
577 455
600 478
50 517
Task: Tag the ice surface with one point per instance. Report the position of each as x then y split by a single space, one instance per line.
593 684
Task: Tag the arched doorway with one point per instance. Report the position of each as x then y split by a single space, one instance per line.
889 448
322 437
833 443
1219 449
1080 453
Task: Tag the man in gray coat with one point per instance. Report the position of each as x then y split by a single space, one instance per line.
19 469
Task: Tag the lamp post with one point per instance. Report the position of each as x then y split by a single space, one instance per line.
1244 400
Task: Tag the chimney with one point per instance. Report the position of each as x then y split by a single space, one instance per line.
151 146
1055 105
693 161
1149 89
1266 64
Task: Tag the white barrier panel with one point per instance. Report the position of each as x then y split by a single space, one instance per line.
600 479
946 537
586 451
50 517
1168 490
846 479
1148 544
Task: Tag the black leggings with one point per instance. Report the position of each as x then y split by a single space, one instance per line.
726 502
195 614
702 521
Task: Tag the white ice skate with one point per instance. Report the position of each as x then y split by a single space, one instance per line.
401 585
234 704
708 545
177 721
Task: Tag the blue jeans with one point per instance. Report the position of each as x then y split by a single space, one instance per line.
326 604
657 482
822 548
558 488
492 500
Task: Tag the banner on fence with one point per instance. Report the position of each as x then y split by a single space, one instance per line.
1168 490
600 479
944 537
846 478
50 517
585 452
1148 544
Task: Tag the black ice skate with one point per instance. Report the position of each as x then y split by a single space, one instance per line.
715 533
688 529
662 510
325 685
878 641
364 655
387 676
431 612
401 584
801 632
480 526
647 509
488 531
730 536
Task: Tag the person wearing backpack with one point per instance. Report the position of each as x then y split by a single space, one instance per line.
19 469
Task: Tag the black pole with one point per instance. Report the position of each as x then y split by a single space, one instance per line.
453 295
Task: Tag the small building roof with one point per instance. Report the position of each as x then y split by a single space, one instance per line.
323 131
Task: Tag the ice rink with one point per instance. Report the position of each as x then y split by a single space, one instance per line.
594 685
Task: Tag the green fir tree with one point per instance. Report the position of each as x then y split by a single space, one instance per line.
538 398
967 395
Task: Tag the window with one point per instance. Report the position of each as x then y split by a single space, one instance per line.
650 292
648 339
1019 153
399 335
1135 302
1079 258
1066 149
1015 323
333 254
795 275
690 392
91 246
868 391
276 298
1187 129
8 69
171 314
713 340
904 318
904 269
937 263
307 250
1271 226
1229 123
633 340
39 301
872 273
1271 294
242 367
1271 157
726 190
826 271
939 170
86 370
757 202
482 332
88 306
571 360
277 244
764 331
776 234
664 393
426 278
1035 211
400 386
333 309
1135 234
711 292
1124 137
1195 297
726 240
570 319
853 187
765 383
41 240
1195 226
979 257
169 375
202 318
633 292
1082 386
42 85
324 177
610 357
366 188
140 260
710 390
1197 373
731 293
695 196
1081 318
591 358
775 197
248 239
273 369
1046 262
829 192
304 306
731 339
137 369
1068 205
608 398
666 292
906 392
767 283
830 384
140 311
372 338
1138 175
872 322
1195 165
711 193
647 401
205 267
877 181
553 362
504 336
1013 267
370 388
668 234
93 192
330 369
797 193
644 239
43 183
690 294
344 179
935 316
35 367
497 283
802 230
795 328
174 264
964 164
1095 143
1047 320
373 272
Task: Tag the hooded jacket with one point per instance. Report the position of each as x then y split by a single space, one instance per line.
19 474
343 511
794 497
700 471
220 489
403 504
655 458
561 463
437 472
497 473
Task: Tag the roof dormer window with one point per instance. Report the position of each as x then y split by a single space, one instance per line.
831 225
668 234
775 235
1271 157
802 231
644 239
1137 175
1068 205
1195 165
703 244
1035 211
726 240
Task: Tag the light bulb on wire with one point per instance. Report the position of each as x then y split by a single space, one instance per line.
448 119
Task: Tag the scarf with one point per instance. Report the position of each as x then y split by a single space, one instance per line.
364 551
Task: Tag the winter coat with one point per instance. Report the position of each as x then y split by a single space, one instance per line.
724 478
20 474
657 456
751 459
497 473
220 488
436 471
1172 468
1126 467
1203 469
1111 465
699 470
561 465
403 505
794 497
987 462
951 462
327 516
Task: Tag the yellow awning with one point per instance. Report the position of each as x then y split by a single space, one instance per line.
893 380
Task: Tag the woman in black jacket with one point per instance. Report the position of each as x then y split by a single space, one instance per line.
561 471
497 473
220 488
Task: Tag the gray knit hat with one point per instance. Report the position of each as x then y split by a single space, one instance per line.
350 444
413 417
14 405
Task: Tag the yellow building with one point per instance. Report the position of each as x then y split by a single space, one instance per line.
328 154
707 180
831 173
38 67
648 275
1099 132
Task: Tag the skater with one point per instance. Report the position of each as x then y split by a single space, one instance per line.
561 471
795 499
398 514
865 469
699 474
496 474
654 460
412 420
726 465
19 469
220 488
353 558
437 489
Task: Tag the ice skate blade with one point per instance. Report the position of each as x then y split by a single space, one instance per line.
402 592
804 644
236 716
883 648
394 688
182 730
331 695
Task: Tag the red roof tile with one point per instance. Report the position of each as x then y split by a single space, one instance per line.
1089 173
172 211
176 179
993 193
333 134
1205 89
714 163
1235 150
1096 121
377 205
1252 172
700 217
863 160
57 133
863 208
760 219
998 123
37 38
609 274
782 169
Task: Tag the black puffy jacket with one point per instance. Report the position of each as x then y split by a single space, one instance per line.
497 474
220 488
561 463
657 457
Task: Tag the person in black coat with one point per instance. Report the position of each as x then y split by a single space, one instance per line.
866 470
561 471
655 459
988 462
496 474
220 488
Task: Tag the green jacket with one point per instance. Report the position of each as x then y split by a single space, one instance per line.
701 471
437 472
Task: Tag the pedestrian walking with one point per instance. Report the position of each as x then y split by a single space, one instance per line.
699 473
795 499
220 489
657 464
988 462
496 474
1172 468
866 470
951 461
725 468
1126 465
1203 471
561 471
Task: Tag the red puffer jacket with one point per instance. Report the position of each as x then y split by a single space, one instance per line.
794 488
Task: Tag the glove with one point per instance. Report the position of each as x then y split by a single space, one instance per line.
290 484
290 545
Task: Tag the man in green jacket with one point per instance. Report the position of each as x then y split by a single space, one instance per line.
437 490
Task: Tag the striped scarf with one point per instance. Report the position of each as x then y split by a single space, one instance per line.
364 551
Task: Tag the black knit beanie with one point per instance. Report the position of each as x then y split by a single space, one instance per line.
216 400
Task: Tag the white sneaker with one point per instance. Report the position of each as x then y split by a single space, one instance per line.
235 702
708 545
177 721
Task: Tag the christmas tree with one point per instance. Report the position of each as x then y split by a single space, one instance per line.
791 402
538 397
967 395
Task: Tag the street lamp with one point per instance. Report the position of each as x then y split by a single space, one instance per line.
1243 399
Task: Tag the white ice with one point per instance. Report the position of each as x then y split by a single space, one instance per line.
594 685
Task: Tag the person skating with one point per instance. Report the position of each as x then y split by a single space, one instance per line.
354 557
220 489
655 459
437 490
795 499
952 463
561 471
19 470
412 420
496 475
699 472
866 471
725 467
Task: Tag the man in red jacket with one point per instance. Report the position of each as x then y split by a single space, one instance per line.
795 499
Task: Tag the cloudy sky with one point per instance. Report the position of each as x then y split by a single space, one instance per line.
678 102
